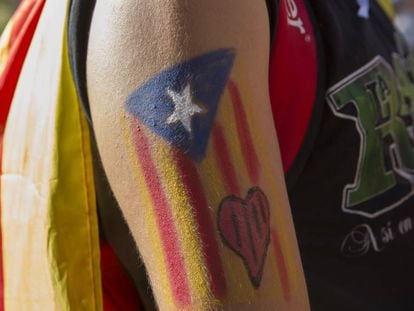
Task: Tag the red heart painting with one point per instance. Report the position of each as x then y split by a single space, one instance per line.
245 227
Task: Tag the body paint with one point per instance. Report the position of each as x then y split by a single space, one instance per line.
281 265
245 226
176 113
222 154
164 218
179 106
204 222
245 136
242 119
152 229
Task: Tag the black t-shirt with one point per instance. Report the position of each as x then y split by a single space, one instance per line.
353 203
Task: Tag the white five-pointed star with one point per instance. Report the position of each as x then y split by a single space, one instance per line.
184 108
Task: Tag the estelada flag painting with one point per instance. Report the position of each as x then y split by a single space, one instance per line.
192 138
50 241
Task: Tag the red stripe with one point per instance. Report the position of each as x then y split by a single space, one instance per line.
202 216
281 266
175 262
222 155
245 136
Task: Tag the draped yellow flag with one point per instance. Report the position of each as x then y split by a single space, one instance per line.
49 221
388 7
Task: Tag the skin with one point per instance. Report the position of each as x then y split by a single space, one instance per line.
131 41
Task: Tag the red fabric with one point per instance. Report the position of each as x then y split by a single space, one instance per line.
118 291
293 77
24 24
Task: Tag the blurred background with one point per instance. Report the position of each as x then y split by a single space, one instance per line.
404 20
6 9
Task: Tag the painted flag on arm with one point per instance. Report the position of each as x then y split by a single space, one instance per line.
180 106
194 145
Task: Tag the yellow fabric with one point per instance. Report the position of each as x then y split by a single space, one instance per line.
388 7
49 221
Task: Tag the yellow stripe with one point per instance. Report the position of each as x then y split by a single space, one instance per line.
261 143
280 215
388 7
157 266
268 184
228 120
239 285
240 289
187 230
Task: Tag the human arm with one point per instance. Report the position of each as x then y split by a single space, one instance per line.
200 186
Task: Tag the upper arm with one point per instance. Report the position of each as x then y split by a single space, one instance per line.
179 100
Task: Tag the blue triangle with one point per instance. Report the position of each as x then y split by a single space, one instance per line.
207 76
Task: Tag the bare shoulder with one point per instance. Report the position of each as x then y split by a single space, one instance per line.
132 40
160 32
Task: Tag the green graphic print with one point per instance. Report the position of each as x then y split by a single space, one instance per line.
379 98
